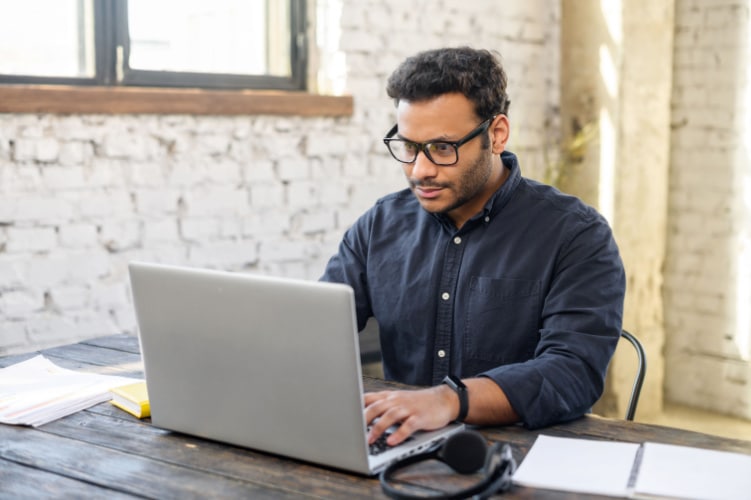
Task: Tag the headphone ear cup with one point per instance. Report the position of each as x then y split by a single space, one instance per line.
465 451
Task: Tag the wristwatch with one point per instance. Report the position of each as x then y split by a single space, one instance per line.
461 390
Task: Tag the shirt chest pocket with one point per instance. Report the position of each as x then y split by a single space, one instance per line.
502 322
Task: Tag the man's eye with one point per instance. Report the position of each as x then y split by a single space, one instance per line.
410 147
441 149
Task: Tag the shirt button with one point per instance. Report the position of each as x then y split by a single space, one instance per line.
445 295
457 240
487 218
441 353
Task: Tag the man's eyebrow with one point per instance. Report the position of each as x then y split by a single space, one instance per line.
441 138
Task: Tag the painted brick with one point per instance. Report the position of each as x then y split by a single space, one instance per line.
325 145
30 239
71 297
87 266
224 254
281 251
14 337
105 204
156 230
44 149
264 194
260 170
120 235
230 228
38 208
127 145
146 175
293 168
265 222
48 272
78 235
56 178
219 200
314 221
17 304
109 295
199 228
156 201
12 270
303 194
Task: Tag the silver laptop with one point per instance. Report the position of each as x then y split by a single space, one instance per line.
266 363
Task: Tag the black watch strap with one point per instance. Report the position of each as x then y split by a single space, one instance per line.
461 390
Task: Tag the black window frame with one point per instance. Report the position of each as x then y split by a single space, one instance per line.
112 48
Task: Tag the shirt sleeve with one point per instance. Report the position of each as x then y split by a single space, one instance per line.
580 327
349 266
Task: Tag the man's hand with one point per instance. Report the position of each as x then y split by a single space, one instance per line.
435 407
424 409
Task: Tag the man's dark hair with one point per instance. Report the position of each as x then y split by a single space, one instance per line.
477 74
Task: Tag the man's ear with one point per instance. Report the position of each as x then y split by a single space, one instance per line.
499 134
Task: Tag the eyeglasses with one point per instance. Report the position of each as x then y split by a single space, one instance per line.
443 153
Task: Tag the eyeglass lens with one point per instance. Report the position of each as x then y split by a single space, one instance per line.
440 153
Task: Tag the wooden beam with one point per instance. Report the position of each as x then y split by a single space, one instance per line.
151 100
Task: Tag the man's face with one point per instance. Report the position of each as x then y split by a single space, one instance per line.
459 190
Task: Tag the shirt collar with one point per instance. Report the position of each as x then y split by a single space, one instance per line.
504 193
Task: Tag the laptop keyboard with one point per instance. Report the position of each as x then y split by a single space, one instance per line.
380 445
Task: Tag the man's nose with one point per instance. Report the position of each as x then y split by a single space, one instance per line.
423 168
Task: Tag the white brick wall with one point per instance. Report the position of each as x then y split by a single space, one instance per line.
80 196
708 267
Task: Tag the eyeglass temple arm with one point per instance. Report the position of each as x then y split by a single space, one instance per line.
391 132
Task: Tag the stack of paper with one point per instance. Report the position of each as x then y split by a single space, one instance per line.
620 469
578 465
37 391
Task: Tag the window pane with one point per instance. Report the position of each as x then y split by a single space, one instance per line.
243 37
50 38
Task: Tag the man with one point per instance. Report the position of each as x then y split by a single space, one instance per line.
475 271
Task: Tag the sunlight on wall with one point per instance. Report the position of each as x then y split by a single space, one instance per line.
609 55
332 71
606 190
612 15
606 201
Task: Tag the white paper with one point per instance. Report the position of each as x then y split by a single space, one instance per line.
686 472
36 391
579 465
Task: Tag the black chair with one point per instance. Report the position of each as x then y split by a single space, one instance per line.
641 372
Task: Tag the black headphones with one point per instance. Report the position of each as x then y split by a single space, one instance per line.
465 452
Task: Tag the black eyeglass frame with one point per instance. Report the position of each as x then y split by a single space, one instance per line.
423 146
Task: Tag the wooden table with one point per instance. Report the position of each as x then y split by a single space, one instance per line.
103 452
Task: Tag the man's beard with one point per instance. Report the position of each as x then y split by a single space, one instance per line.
468 186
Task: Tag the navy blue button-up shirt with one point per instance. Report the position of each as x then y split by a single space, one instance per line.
529 292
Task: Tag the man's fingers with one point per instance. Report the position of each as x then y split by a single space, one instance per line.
405 430
372 397
392 416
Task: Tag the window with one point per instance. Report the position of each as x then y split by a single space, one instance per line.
221 44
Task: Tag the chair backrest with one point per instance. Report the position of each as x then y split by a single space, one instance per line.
641 372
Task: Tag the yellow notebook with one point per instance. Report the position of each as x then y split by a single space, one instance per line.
132 398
